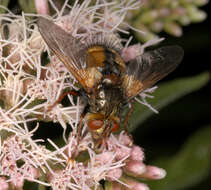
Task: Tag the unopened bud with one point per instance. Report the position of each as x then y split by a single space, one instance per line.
146 35
134 168
149 16
114 174
33 173
131 52
104 157
3 184
18 181
177 13
125 138
173 29
42 6
134 185
153 172
184 20
156 26
137 153
164 12
138 186
200 2
195 14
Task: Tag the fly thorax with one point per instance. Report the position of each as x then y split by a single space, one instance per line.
106 99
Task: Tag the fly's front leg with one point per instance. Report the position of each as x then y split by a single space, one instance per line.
61 97
80 126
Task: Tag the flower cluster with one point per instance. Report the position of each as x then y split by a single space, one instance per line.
116 163
32 79
169 16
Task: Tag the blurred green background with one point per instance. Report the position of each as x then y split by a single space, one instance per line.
177 139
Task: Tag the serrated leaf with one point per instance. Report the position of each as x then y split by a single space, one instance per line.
189 166
3 3
165 94
27 6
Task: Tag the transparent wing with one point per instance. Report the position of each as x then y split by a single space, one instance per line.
69 50
145 70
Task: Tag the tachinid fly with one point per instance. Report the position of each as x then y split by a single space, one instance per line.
107 81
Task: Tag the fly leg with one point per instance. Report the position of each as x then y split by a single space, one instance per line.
61 97
79 129
128 116
74 93
78 134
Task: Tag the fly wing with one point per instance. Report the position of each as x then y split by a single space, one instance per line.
150 67
70 51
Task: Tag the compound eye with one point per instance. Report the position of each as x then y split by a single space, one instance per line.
115 126
95 124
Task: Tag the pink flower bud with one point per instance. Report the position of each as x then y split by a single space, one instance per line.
137 153
17 181
114 174
135 168
122 153
42 6
153 172
135 185
173 28
131 52
33 173
125 139
104 157
8 161
164 12
3 184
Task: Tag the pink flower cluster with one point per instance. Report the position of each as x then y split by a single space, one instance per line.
17 163
119 163
134 164
78 164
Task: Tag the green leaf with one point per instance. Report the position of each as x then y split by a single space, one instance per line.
3 3
165 94
190 165
27 6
